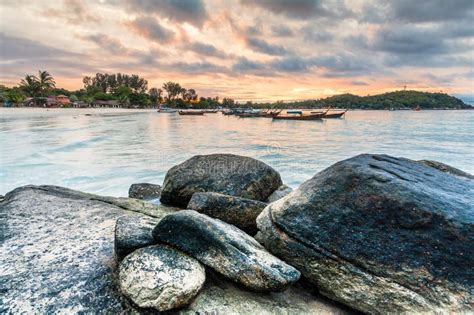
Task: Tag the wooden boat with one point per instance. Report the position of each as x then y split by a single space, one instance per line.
271 114
191 112
294 111
310 116
248 114
166 110
335 115
211 111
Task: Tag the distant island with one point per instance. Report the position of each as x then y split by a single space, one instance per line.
393 100
131 91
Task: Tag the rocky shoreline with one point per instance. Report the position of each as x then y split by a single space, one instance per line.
373 233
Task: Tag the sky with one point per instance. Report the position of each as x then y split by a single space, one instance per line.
248 50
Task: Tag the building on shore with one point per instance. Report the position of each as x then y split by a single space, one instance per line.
57 101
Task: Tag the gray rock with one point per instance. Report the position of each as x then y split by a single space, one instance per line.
220 296
223 173
133 232
226 249
144 191
380 234
446 168
57 250
160 277
237 211
281 192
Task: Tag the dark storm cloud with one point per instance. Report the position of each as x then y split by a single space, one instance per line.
281 31
261 46
191 11
150 28
206 50
302 9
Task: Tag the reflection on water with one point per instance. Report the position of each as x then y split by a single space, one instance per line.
108 150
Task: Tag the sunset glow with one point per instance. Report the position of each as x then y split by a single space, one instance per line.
247 50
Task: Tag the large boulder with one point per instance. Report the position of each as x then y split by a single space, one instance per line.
57 250
446 168
240 212
380 234
223 173
133 232
226 249
144 191
160 277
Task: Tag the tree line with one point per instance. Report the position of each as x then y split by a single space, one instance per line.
127 90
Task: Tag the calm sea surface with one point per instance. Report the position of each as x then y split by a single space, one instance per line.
104 151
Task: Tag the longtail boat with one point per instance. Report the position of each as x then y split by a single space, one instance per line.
335 115
311 116
191 112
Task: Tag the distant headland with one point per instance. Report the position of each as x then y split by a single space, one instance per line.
131 91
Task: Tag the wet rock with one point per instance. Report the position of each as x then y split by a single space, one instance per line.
144 191
160 277
133 232
380 234
226 249
446 168
223 173
237 211
281 192
57 250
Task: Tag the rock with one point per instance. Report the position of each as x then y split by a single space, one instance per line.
380 234
237 211
144 191
57 257
281 192
220 296
133 232
160 277
446 168
223 173
57 250
226 249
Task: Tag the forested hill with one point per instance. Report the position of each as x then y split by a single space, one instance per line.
392 100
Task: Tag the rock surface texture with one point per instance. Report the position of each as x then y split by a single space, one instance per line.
57 250
133 232
281 192
446 168
57 257
226 249
237 211
160 277
223 173
380 234
144 191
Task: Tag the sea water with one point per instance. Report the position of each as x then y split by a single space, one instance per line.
104 151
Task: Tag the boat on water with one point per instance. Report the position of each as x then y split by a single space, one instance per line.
211 111
294 111
334 115
191 112
302 116
166 110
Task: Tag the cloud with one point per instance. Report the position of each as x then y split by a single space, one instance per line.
292 64
310 33
431 11
302 9
108 43
150 28
197 67
191 11
359 83
206 50
264 47
281 31
73 12
246 65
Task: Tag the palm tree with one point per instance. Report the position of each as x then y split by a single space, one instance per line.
31 86
46 81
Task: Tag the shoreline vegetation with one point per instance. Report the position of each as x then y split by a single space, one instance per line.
131 91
